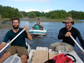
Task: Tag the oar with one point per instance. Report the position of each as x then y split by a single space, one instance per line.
76 43
12 40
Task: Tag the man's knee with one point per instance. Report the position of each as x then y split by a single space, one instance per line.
7 53
24 58
60 47
69 48
54 45
51 46
5 56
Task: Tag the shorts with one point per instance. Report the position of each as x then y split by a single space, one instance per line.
61 46
18 49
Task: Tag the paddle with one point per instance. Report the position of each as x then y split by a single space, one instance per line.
76 43
12 40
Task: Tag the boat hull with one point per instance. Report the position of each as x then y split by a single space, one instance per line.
16 59
38 32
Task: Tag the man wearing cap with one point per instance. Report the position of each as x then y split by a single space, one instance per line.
67 44
39 23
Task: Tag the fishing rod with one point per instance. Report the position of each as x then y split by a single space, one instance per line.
12 40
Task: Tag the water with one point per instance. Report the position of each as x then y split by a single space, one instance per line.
51 37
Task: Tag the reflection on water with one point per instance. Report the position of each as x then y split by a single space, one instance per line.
51 37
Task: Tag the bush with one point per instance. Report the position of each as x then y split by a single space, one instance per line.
31 15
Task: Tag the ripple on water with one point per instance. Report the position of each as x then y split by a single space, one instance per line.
2 34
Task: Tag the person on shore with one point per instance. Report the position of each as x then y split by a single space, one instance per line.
67 44
18 45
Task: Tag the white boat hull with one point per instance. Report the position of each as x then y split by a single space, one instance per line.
38 32
17 59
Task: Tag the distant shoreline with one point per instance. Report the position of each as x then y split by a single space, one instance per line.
43 19
5 25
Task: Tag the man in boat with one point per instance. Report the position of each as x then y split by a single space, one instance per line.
67 44
39 23
18 45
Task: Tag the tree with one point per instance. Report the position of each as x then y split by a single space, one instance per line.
9 12
38 14
31 15
57 14
77 14
24 13
43 14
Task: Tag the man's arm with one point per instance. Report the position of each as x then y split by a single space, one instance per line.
61 35
2 45
28 34
40 24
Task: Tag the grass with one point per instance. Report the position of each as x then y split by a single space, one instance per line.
3 23
44 19
4 19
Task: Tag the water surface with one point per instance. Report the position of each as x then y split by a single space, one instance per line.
51 37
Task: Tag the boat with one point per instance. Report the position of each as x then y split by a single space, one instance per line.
40 55
16 59
33 31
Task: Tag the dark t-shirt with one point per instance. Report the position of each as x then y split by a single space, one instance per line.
75 33
19 41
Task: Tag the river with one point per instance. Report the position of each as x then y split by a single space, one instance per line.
51 37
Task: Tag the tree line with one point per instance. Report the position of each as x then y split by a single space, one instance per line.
33 14
10 12
56 14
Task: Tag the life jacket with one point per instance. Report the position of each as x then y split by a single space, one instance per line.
62 58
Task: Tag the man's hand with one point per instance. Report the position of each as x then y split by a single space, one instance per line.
83 52
28 34
26 28
67 34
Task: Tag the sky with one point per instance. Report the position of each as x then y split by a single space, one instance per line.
44 5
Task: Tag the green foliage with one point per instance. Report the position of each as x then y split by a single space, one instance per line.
31 15
57 14
24 13
77 14
9 12
38 14
43 14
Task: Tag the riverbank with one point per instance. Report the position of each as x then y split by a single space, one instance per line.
4 25
44 19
